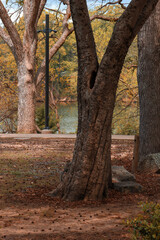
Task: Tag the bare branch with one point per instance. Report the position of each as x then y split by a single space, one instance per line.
66 32
117 2
41 7
41 71
17 11
129 104
12 32
57 13
54 10
66 17
6 38
112 3
103 18
130 22
5 115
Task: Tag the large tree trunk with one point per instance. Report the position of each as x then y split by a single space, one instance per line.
89 174
26 100
149 87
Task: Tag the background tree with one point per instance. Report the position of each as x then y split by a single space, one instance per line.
63 75
89 173
149 87
24 53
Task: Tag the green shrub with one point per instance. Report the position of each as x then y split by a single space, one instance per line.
40 119
147 225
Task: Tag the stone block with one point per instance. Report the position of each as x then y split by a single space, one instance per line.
128 187
119 173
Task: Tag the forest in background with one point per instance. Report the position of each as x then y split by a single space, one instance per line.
63 76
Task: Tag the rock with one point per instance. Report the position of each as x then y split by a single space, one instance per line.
150 163
119 173
128 187
114 180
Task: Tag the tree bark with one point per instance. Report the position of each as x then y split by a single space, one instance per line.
26 103
149 86
89 174
26 69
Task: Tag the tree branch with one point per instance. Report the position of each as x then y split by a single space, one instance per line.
41 7
31 7
30 35
6 38
83 31
54 10
148 8
66 32
41 71
124 32
113 3
109 19
15 38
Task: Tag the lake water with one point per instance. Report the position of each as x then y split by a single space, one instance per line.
125 123
68 113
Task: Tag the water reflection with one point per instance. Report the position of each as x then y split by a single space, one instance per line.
68 113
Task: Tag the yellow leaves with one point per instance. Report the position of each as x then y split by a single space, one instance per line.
8 80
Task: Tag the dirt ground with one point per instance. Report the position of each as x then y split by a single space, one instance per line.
30 168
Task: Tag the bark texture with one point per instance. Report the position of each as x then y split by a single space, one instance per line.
26 102
26 69
89 174
149 86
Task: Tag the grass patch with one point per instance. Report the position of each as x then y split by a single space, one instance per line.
20 170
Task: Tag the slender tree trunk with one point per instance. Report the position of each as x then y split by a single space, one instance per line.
26 103
149 86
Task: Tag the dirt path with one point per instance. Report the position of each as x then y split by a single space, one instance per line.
30 168
98 222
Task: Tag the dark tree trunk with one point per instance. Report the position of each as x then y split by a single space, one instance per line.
149 86
89 174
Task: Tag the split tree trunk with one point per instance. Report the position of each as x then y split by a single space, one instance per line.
89 174
149 86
